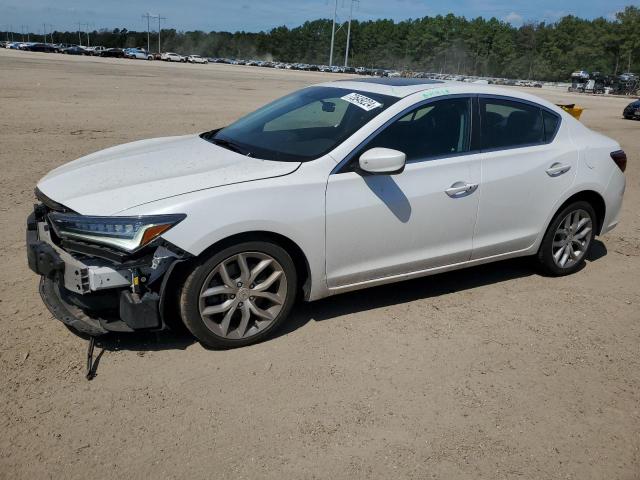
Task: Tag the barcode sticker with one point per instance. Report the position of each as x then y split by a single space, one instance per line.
361 101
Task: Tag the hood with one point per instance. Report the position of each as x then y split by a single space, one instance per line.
112 180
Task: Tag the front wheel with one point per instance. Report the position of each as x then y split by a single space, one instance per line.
568 239
240 295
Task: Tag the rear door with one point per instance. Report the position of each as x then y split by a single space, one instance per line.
526 166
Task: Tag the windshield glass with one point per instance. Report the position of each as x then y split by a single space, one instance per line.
302 126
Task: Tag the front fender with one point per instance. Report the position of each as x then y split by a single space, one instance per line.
278 205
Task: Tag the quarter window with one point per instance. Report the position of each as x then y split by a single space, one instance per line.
436 129
551 121
510 124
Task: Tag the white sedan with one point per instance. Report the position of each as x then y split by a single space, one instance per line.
335 187
172 57
196 59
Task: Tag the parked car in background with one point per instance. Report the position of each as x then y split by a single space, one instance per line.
632 111
76 50
334 188
173 57
60 47
42 47
138 53
112 52
95 51
196 59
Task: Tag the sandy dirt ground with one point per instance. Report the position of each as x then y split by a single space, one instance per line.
493 372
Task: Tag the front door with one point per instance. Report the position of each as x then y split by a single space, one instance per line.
379 226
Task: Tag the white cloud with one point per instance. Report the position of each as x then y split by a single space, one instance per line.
514 19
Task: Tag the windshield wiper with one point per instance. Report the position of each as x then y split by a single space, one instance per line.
229 145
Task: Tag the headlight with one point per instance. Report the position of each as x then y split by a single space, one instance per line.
124 233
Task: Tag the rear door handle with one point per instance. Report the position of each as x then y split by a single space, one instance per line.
461 189
557 169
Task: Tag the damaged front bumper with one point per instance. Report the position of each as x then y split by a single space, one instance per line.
94 291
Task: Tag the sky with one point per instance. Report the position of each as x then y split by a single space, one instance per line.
256 15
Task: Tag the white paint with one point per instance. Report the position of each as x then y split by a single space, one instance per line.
356 231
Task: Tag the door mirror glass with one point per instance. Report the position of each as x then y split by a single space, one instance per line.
382 161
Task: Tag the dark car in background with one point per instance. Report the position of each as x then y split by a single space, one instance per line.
76 50
632 111
42 47
112 52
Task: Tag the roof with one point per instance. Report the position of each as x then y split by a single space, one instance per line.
394 87
403 87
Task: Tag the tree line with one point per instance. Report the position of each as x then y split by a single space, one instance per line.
446 44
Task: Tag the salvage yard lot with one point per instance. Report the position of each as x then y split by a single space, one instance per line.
492 372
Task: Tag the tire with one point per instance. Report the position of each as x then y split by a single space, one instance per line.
251 314
578 238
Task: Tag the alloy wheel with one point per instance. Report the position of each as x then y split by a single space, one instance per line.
572 238
243 295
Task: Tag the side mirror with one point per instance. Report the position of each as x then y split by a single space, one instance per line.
382 161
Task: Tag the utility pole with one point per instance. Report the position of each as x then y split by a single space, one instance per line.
148 16
50 32
159 29
346 52
333 33
88 26
44 32
79 37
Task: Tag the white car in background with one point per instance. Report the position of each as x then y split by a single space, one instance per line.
138 53
172 57
333 188
96 51
196 59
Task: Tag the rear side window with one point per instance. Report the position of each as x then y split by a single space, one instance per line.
551 122
510 124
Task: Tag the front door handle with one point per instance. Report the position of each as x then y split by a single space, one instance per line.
461 189
557 169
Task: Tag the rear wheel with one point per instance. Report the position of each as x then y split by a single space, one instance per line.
239 295
568 239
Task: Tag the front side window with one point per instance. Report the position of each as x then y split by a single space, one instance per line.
302 126
509 124
436 129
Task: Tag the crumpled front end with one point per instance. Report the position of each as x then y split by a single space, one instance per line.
96 289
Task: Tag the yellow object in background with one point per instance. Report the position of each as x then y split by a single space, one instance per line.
572 109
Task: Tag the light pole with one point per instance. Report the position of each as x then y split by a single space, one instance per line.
346 52
159 18
333 33
147 16
50 32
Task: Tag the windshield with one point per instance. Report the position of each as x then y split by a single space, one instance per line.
302 126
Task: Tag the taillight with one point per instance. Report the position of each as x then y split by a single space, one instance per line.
620 158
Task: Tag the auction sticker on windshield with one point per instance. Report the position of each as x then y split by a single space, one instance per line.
361 101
